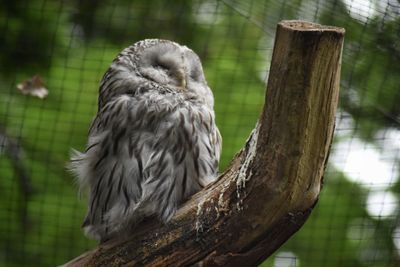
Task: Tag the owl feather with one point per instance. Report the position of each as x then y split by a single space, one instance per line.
153 142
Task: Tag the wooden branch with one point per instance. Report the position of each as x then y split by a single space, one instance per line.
272 184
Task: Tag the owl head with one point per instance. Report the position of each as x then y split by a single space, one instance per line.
155 64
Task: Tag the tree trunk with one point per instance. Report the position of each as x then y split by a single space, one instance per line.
271 185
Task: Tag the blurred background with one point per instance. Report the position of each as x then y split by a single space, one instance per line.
54 53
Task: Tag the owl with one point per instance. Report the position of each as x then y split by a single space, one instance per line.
153 142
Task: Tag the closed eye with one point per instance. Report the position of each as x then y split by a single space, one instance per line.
159 65
195 74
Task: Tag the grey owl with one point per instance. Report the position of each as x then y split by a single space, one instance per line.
153 142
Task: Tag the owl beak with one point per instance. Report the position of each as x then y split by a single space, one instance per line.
183 85
182 79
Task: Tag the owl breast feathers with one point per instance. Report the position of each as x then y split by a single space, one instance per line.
153 142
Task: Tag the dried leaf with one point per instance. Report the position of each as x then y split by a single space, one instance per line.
34 87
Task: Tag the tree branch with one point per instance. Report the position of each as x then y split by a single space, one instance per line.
272 184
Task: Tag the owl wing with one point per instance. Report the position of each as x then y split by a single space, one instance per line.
103 169
145 155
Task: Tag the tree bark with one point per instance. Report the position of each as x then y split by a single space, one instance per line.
271 185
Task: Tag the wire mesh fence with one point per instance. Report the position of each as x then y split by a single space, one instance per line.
54 53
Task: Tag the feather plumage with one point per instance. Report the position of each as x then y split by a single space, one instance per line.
154 141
